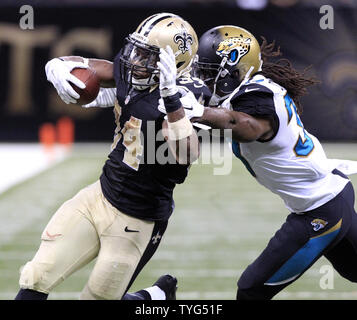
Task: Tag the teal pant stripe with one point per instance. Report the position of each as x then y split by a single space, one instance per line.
302 259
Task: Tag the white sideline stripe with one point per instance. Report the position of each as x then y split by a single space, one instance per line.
22 161
19 162
223 295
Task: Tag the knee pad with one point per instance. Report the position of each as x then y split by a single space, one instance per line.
115 266
31 276
87 294
108 281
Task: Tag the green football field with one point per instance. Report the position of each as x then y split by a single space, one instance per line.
220 225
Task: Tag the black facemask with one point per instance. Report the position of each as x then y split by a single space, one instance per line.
138 64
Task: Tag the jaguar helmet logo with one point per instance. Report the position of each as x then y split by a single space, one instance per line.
184 40
318 224
234 49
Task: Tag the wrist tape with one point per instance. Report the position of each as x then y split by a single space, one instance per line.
179 129
172 103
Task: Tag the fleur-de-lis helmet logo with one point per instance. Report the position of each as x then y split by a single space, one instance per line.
184 41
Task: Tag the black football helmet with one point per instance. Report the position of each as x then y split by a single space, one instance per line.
226 54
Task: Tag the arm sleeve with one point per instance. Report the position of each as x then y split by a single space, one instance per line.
258 104
255 104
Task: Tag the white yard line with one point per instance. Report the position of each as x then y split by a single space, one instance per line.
20 161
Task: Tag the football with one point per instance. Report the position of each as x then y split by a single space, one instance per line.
89 78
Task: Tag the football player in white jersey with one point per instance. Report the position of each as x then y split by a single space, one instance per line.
259 100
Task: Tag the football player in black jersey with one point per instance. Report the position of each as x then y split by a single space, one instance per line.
121 218
258 99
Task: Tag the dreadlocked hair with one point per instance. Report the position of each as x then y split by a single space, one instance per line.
282 72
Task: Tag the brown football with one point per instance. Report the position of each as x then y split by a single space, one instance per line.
90 79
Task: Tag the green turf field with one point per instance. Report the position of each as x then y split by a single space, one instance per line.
220 225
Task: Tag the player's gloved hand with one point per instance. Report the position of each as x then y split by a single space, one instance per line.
58 72
106 98
192 108
168 72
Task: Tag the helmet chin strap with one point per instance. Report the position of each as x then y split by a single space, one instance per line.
216 99
142 84
219 74
246 78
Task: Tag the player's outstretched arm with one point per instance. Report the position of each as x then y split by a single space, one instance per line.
177 130
58 72
103 68
245 128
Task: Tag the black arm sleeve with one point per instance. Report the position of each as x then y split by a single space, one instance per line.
257 103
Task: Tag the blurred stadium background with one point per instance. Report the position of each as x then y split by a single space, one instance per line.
221 223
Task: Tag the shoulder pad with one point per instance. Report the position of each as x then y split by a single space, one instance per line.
197 87
251 88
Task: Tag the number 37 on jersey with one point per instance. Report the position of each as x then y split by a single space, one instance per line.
304 145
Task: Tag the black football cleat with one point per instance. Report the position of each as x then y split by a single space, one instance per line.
168 284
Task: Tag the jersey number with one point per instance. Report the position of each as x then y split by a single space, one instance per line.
304 145
131 138
132 142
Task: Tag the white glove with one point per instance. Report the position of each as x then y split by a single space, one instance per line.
168 72
189 103
58 72
106 98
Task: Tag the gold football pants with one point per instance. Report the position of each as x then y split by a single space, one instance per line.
83 228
